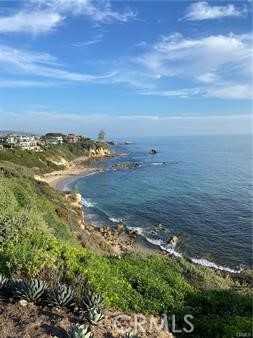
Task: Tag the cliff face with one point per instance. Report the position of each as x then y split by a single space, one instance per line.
54 157
100 152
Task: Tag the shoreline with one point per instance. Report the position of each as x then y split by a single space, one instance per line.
121 239
77 168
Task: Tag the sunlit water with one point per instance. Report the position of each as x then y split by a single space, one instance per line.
198 188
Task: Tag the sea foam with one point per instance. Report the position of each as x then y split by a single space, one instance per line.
88 204
205 262
116 220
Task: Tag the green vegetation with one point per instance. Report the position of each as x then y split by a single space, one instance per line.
61 296
30 289
38 239
46 160
80 331
92 300
95 315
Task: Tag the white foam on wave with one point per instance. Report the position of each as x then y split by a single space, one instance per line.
91 174
158 242
88 204
166 247
171 250
140 231
157 163
205 262
116 220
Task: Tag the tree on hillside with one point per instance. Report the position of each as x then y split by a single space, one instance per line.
101 136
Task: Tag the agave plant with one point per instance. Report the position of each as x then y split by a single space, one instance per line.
95 315
3 281
131 335
92 300
80 331
61 296
30 290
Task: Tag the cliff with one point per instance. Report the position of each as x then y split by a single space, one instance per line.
55 157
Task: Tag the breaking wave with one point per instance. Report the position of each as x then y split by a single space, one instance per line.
87 203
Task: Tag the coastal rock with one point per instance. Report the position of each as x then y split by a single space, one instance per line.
173 240
126 165
112 143
132 233
120 229
153 152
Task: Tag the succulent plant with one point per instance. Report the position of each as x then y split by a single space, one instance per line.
80 331
30 290
3 281
95 315
131 335
92 300
61 296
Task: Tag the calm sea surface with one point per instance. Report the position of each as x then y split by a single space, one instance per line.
197 187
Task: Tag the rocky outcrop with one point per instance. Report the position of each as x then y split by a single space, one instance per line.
100 152
126 165
107 240
173 240
153 151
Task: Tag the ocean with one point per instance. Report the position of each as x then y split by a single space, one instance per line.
196 187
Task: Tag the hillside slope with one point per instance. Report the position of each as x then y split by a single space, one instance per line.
54 157
39 238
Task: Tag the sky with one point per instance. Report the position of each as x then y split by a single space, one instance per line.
133 68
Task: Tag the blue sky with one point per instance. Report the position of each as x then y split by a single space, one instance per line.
132 68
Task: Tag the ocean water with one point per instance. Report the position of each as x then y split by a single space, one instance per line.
197 187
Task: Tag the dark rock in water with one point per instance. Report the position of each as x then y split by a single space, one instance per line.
173 240
112 143
127 165
153 151
132 233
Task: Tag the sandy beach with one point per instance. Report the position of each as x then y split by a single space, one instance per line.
105 240
60 179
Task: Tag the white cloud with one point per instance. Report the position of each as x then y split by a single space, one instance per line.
182 93
202 11
30 22
175 55
231 91
98 38
39 16
211 65
222 91
41 65
208 77
99 11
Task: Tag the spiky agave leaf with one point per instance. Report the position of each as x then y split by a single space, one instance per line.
3 281
95 315
30 289
92 300
80 331
61 296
